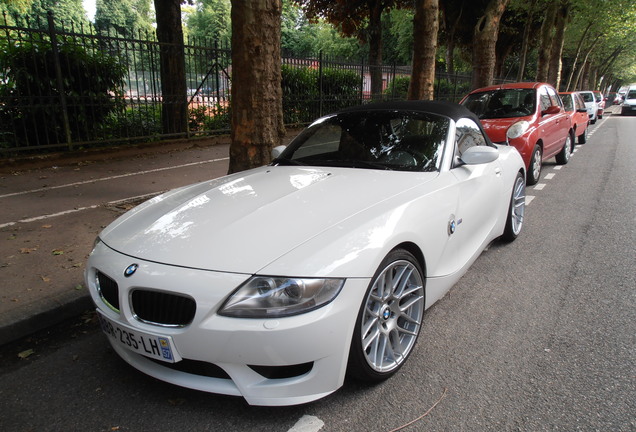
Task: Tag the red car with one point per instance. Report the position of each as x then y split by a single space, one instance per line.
528 116
600 100
575 107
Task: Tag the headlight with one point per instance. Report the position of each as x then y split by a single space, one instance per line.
96 242
273 297
517 129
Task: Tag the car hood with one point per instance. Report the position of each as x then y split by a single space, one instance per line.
243 222
496 128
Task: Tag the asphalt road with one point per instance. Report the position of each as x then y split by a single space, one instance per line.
539 335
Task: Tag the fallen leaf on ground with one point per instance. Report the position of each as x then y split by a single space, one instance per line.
45 279
26 353
27 250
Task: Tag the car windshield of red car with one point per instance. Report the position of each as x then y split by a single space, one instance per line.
502 103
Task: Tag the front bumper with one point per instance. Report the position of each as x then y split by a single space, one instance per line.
283 361
628 109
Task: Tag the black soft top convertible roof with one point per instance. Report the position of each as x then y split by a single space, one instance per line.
447 109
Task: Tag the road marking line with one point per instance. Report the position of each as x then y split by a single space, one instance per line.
529 199
539 186
549 176
307 423
114 177
79 209
558 167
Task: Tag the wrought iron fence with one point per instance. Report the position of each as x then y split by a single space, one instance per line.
77 87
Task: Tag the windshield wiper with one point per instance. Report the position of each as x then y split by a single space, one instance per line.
287 162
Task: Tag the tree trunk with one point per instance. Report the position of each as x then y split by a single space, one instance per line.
375 48
485 42
503 49
554 71
568 86
425 28
526 41
545 46
257 108
174 106
451 30
578 81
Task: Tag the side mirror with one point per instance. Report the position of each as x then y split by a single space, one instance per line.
554 109
478 155
277 151
582 110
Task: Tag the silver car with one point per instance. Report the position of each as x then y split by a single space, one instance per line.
629 104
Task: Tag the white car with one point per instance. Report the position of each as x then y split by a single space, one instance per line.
628 105
272 284
590 104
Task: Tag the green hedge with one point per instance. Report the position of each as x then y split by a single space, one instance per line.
30 94
302 93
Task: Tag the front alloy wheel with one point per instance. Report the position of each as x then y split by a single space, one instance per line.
389 320
535 166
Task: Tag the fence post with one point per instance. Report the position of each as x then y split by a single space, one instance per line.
320 94
60 79
362 81
394 73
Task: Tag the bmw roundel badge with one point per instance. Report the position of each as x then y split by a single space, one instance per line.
451 227
130 270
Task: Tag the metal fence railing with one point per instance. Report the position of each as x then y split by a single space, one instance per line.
68 87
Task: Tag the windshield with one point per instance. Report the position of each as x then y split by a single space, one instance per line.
502 103
393 140
567 102
631 94
588 97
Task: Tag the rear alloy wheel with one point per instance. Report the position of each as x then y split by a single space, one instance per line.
535 166
583 137
389 320
516 210
563 156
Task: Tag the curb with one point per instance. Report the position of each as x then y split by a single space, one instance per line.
21 328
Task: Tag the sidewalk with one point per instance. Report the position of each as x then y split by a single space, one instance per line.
42 260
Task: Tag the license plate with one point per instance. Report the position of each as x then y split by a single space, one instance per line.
147 344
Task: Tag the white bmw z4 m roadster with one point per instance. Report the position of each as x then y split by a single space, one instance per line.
274 283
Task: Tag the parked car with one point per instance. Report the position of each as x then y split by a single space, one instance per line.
271 283
528 116
629 104
613 98
575 107
600 102
590 104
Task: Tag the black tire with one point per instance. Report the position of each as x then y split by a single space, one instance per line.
516 210
534 170
380 319
583 136
563 157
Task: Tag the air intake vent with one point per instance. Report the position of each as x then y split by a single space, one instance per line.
161 308
108 290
